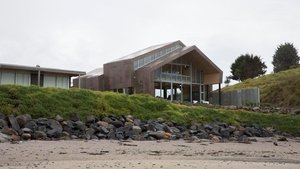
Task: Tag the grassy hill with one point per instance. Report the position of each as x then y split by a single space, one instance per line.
48 102
279 89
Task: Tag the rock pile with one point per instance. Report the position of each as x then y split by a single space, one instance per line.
23 127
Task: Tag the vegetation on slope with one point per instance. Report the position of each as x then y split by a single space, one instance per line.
48 102
279 89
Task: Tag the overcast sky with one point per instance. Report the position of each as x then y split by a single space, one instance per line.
85 34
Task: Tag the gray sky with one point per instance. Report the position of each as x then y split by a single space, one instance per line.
85 34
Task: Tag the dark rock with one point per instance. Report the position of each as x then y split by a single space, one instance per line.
202 134
23 119
90 119
107 120
15 138
208 127
13 122
55 128
3 124
2 116
243 139
136 130
213 138
26 136
78 125
74 117
103 130
160 135
231 129
174 130
59 118
102 136
119 135
111 135
41 121
39 135
89 132
225 133
27 130
9 131
215 130
137 122
193 132
31 125
117 123
194 127
102 124
4 138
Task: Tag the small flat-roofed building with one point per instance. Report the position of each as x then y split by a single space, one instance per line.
40 76
171 71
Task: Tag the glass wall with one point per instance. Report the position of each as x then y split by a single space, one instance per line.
14 77
56 81
150 58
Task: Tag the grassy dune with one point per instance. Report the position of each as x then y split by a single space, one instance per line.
278 89
48 102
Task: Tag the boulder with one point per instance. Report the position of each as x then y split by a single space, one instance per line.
202 134
224 132
23 119
2 116
102 124
103 130
79 125
160 135
55 125
243 139
27 130
39 135
213 138
26 136
4 138
208 127
59 118
90 119
31 125
117 123
9 131
119 135
13 122
74 117
136 130
89 132
102 136
107 120
3 124
137 122
111 135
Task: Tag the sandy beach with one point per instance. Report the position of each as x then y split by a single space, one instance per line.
92 154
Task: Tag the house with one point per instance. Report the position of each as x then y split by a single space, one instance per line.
171 71
29 75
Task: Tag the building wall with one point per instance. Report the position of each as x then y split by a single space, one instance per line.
15 77
118 75
24 78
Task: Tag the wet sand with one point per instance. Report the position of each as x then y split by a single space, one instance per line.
75 154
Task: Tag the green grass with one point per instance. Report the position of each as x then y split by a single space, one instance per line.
48 102
278 89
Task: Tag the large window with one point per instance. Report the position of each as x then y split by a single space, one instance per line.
14 77
150 58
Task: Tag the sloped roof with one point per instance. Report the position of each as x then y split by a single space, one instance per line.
143 51
204 61
43 69
95 72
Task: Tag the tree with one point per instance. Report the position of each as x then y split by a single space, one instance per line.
286 55
227 80
247 66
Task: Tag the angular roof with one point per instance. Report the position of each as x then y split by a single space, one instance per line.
43 69
203 61
145 51
93 73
